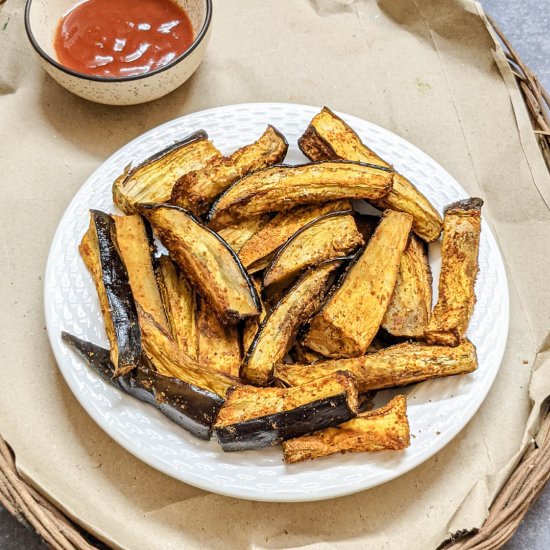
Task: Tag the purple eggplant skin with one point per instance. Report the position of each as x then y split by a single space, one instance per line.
195 136
272 429
119 293
152 244
471 203
194 409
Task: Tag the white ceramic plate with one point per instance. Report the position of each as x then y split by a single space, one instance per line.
437 409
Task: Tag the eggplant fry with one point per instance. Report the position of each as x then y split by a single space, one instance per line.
328 137
236 236
459 267
252 418
398 365
165 356
207 260
102 258
152 181
134 239
180 304
386 428
276 333
330 236
252 324
219 344
196 190
350 319
257 252
193 408
280 188
409 311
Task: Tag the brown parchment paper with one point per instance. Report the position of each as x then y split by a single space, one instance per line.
428 70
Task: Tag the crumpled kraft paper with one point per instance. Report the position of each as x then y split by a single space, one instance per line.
428 70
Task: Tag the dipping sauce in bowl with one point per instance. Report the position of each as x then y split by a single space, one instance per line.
118 38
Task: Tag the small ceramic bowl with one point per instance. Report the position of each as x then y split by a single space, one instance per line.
41 20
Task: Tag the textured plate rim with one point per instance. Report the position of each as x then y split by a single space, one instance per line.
129 445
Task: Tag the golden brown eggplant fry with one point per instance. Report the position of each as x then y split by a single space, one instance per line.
459 267
236 236
135 245
89 251
328 137
152 181
350 319
102 258
180 304
165 356
326 238
252 324
409 311
280 188
276 333
399 365
219 345
252 418
207 260
193 408
247 402
260 248
197 190
386 428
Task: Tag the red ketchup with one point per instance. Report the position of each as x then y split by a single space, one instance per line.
118 38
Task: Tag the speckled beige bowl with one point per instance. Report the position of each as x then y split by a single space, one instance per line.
41 19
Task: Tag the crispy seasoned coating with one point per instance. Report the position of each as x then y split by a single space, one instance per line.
350 319
252 418
196 190
152 181
180 304
219 345
252 324
165 356
395 366
276 333
386 428
207 260
102 258
331 236
257 252
89 251
236 236
281 188
247 402
134 244
194 409
459 267
409 311
328 137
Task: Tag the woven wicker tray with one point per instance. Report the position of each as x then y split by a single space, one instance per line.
521 489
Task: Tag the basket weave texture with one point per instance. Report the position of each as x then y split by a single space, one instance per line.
530 476
519 492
